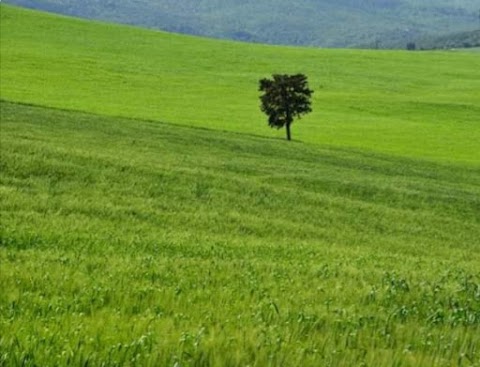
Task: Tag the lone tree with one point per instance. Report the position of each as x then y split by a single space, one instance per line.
285 97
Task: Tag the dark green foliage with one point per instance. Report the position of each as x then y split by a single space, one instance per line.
454 40
285 97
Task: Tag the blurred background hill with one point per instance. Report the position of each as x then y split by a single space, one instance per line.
324 23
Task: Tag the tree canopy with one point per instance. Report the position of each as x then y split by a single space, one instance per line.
285 98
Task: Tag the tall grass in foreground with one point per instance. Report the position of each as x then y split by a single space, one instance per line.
128 242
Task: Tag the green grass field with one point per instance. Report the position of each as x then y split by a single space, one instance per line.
424 105
150 217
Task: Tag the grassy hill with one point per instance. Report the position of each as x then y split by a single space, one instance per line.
149 216
340 23
411 104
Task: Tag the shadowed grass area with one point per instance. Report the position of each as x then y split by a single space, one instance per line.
130 242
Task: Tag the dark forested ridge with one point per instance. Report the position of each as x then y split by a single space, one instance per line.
455 40
340 23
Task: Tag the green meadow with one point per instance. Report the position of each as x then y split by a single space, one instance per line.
421 104
149 217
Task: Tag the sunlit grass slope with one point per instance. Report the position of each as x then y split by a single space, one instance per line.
411 104
129 242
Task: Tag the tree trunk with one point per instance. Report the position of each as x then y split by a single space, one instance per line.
289 135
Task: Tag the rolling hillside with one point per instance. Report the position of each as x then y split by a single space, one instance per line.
341 23
391 102
127 240
149 217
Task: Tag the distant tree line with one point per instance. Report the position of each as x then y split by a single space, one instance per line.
304 22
